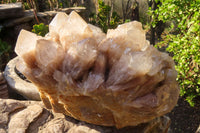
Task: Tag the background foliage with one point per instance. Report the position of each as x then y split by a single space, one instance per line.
105 18
5 50
184 42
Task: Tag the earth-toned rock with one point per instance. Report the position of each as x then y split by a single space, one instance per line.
114 79
31 117
3 87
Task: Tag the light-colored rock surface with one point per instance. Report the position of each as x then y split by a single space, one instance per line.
114 79
31 117
3 87
22 87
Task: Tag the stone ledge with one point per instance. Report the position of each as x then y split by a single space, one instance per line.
15 83
12 10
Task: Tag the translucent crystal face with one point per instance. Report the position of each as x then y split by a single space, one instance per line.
132 33
107 79
58 23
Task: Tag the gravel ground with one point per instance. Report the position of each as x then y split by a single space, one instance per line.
185 119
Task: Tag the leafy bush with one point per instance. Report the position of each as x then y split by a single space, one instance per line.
5 50
185 44
40 29
105 19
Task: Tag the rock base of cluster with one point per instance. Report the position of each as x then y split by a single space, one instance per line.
32 117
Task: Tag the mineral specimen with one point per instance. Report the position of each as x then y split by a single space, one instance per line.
114 79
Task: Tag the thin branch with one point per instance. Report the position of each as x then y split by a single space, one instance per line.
34 11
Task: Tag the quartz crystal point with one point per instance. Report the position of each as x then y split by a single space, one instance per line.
25 47
114 79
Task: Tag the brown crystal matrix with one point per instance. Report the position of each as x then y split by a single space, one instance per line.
114 79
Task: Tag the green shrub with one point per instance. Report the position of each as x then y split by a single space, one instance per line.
5 50
185 44
105 19
40 29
